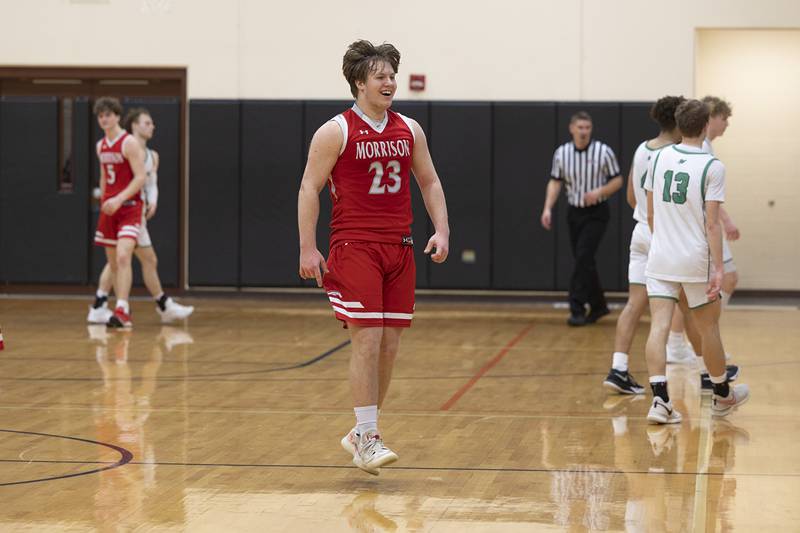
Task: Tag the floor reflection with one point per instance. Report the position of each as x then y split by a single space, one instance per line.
122 412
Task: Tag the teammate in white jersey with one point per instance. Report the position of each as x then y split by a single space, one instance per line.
140 123
678 350
685 187
619 378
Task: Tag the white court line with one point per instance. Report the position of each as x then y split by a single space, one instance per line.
703 456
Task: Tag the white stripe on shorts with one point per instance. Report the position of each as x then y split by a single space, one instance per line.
349 305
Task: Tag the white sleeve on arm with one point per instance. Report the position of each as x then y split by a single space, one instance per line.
151 188
715 182
557 172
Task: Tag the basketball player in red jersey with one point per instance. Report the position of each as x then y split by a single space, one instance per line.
122 175
366 154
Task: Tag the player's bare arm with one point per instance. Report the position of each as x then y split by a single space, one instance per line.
553 190
102 171
728 226
714 232
152 203
322 156
433 195
134 153
650 210
629 195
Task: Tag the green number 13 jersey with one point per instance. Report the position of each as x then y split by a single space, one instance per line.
682 178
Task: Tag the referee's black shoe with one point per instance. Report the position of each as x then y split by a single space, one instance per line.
596 314
577 320
622 382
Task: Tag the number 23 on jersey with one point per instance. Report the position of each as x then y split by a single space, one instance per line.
378 187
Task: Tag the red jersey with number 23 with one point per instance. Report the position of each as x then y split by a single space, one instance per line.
370 183
117 170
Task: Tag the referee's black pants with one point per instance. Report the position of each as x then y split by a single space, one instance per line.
586 228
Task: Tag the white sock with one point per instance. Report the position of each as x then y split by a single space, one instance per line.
101 293
701 364
124 305
620 362
676 339
725 297
366 418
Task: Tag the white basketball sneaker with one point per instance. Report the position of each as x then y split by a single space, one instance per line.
349 441
663 413
371 454
738 394
99 315
174 311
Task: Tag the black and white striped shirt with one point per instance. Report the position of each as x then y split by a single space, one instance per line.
584 170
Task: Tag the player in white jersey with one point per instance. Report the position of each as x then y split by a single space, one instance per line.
141 125
678 350
619 378
685 187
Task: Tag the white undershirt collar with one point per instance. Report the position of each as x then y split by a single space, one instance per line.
377 126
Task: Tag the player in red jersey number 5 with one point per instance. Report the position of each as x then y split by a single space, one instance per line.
366 155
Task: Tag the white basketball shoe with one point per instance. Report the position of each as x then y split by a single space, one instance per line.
99 315
738 394
174 311
370 453
663 413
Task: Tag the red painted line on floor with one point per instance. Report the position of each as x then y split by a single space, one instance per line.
488 366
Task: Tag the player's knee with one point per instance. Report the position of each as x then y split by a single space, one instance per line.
123 258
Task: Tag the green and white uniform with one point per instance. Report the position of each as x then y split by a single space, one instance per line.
727 255
149 195
682 179
640 239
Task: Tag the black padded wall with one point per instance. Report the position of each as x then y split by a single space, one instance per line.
524 140
461 136
317 113
637 126
606 122
422 228
272 164
43 237
214 192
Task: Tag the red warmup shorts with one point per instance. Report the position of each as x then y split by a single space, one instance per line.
372 284
124 224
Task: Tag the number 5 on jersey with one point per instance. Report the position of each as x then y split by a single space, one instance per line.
394 175
111 177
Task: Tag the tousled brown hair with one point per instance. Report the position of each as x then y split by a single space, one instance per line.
663 111
718 106
691 117
133 116
580 115
363 57
107 103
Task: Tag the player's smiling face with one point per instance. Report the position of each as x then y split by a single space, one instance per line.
107 120
380 86
145 127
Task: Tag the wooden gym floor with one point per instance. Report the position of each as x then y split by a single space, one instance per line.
232 422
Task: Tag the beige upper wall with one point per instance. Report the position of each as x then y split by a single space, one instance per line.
499 50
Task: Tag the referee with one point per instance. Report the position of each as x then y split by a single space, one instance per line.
591 172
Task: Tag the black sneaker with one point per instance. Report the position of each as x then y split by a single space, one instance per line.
622 382
596 315
705 379
577 320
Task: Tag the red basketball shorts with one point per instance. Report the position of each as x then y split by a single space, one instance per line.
124 224
372 284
